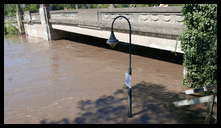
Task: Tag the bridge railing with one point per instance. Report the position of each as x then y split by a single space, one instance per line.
10 19
151 21
35 16
62 16
165 22
31 17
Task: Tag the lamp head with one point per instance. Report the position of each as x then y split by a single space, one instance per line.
112 41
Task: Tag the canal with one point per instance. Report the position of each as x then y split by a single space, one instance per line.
80 80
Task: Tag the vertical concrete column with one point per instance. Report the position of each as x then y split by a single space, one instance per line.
76 6
27 16
44 17
19 19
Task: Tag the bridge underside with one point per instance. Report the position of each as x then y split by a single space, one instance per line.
147 41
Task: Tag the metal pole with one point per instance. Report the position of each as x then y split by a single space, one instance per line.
130 69
130 102
130 72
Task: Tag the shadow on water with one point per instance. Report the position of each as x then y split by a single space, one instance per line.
123 47
152 103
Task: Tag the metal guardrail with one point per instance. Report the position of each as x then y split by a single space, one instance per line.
210 99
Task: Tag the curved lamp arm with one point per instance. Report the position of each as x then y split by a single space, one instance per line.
112 26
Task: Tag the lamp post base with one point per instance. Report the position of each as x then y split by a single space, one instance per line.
130 102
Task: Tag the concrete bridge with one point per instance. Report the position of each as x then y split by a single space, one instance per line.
155 27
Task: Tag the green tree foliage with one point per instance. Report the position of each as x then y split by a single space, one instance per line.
31 7
57 6
10 29
135 5
122 5
9 9
92 5
175 4
72 6
103 5
199 43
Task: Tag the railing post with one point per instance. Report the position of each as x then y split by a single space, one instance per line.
27 16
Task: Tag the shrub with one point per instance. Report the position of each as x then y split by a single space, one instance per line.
199 43
31 7
10 29
9 9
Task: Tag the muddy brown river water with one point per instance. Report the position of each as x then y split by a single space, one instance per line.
70 82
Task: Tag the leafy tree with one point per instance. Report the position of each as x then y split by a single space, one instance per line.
103 5
32 7
175 4
56 6
93 5
122 5
199 43
9 9
10 29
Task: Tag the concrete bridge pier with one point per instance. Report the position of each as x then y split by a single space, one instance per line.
46 27
48 32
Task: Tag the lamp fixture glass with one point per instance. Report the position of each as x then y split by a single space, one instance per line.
112 41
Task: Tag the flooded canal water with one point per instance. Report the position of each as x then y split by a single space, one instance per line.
65 81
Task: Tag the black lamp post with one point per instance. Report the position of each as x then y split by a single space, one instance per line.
112 41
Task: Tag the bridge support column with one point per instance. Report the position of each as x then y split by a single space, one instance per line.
19 19
48 32
44 17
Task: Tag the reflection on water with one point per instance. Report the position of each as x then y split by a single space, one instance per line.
46 80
